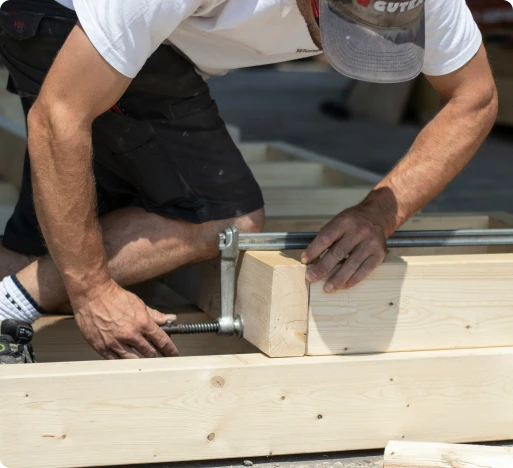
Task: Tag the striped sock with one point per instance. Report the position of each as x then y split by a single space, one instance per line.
16 302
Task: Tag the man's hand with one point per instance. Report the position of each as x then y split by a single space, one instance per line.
352 238
116 323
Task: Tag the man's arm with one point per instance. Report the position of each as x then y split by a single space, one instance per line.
80 86
440 152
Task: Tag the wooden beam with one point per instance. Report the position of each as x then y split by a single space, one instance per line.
163 410
424 222
400 454
417 303
288 174
345 174
271 297
328 201
353 175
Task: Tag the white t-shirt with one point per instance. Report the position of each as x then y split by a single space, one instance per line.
221 35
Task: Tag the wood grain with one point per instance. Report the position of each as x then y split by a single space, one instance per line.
115 413
271 296
417 303
399 454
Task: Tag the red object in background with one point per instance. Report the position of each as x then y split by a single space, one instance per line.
491 13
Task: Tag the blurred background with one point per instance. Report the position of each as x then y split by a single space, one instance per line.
308 104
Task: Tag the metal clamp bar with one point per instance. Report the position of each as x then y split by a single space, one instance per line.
231 242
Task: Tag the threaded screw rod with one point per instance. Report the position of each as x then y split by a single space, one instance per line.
191 328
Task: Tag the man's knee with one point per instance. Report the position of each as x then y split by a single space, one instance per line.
252 222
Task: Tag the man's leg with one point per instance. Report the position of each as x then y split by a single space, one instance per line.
139 246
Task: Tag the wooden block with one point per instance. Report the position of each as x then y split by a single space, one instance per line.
417 303
311 201
288 174
400 454
336 172
271 297
103 413
425 222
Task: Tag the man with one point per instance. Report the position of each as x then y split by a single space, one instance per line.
127 85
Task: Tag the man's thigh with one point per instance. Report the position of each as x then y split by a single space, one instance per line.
163 147
171 149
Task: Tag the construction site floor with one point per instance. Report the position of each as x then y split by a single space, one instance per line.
332 460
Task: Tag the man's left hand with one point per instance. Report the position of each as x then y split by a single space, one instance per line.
353 239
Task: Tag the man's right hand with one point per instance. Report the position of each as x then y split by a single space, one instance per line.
116 323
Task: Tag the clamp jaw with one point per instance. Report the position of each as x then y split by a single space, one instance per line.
229 248
227 323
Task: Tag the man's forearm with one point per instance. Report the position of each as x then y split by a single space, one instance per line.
440 152
64 197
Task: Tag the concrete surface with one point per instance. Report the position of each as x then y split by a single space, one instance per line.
334 460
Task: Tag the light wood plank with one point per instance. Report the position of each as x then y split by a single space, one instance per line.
339 172
400 454
500 220
281 202
288 174
271 297
353 175
424 222
163 410
417 303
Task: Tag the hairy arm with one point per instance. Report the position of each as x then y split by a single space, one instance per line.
442 149
445 146
80 86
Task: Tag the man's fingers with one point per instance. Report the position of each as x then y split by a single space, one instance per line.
143 347
346 271
356 268
125 352
335 254
163 342
329 234
365 270
160 318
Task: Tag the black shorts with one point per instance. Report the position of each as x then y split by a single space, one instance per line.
163 147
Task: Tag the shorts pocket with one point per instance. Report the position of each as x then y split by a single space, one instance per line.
20 25
131 150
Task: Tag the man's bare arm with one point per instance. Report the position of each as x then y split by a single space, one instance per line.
440 152
80 86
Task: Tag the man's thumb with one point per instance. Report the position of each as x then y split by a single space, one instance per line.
159 317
